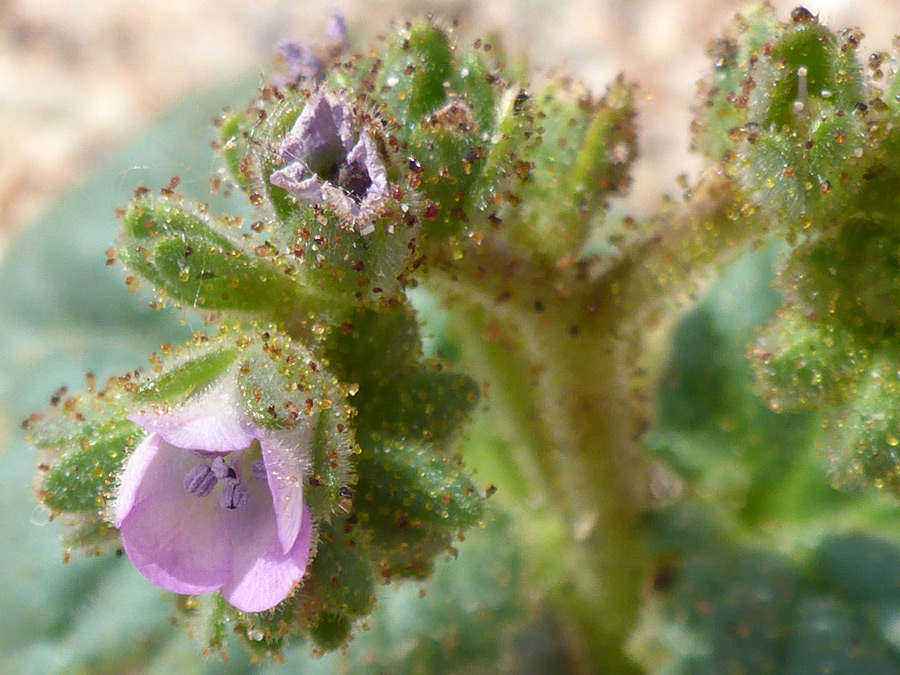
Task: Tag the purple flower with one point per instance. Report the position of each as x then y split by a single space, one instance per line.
208 501
327 162
307 62
301 61
337 28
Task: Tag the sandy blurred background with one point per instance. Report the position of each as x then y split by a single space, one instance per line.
78 78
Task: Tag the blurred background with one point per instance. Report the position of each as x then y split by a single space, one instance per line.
77 79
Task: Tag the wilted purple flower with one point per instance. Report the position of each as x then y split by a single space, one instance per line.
301 61
327 162
337 28
199 511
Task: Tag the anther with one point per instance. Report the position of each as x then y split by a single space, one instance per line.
258 470
200 480
222 471
234 496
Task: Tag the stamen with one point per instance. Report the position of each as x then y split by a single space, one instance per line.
222 471
234 496
258 470
802 101
200 480
353 179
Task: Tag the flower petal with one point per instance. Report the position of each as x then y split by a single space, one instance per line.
297 179
319 137
262 574
366 154
301 61
284 454
213 421
179 542
154 467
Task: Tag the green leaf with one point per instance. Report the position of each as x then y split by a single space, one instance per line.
729 606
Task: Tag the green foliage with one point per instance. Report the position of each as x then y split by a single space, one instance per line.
785 109
734 607
340 574
584 157
190 259
411 499
807 364
84 479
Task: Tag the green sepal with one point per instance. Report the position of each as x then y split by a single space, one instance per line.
584 156
865 438
448 153
722 110
330 470
189 372
75 418
265 633
341 580
802 363
149 219
91 534
182 251
84 440
262 161
476 84
338 262
602 166
412 499
804 174
211 621
235 147
200 274
85 478
282 383
834 78
284 387
418 63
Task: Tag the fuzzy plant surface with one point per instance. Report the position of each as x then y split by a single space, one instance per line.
399 389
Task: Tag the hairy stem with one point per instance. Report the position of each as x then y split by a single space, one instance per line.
547 350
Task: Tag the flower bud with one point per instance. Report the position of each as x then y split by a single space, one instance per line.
865 439
788 114
584 156
803 363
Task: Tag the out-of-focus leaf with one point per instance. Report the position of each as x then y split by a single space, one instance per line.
721 605
765 573
720 435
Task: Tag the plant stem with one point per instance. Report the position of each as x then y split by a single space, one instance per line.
553 367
